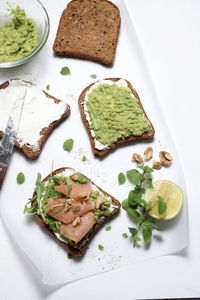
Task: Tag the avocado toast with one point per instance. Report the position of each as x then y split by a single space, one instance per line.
113 115
71 208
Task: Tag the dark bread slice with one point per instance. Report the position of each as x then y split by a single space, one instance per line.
88 29
45 132
74 251
131 138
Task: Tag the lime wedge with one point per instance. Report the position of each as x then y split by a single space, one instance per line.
170 193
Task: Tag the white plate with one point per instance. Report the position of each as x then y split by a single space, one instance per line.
46 254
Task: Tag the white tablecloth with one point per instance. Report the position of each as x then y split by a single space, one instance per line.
168 31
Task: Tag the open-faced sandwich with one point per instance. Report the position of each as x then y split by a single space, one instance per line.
41 114
71 208
113 115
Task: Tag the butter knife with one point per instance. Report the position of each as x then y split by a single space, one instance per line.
10 134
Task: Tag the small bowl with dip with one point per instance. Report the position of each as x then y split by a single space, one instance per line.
24 29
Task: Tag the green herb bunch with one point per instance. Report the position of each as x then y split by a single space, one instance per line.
138 208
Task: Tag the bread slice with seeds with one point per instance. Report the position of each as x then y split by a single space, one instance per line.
99 148
88 29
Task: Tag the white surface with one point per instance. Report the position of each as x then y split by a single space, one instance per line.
168 31
50 259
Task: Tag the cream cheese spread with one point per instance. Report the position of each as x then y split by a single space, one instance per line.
39 112
120 83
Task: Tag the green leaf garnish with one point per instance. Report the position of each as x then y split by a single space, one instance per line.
133 213
65 71
146 169
81 178
147 234
20 178
31 210
162 206
125 204
149 182
108 228
121 178
138 209
101 247
84 158
125 235
68 144
133 231
134 197
134 176
69 256
48 87
93 76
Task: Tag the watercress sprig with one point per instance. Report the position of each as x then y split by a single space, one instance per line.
138 208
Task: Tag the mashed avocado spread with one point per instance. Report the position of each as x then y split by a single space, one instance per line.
18 36
115 114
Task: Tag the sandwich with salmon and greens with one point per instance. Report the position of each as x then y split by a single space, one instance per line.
71 208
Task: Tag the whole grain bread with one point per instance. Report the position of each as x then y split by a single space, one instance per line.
145 136
29 151
88 29
68 247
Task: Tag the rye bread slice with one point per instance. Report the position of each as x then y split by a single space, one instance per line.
88 29
145 136
28 151
69 248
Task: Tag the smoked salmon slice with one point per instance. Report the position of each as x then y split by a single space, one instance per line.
78 192
66 212
77 232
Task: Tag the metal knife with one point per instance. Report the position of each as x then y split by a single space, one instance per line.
10 134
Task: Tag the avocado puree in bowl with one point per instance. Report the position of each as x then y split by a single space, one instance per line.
18 36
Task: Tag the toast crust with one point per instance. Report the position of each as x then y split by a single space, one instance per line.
69 248
88 29
131 138
45 132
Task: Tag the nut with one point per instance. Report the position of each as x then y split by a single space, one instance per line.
148 153
165 158
76 221
138 158
82 195
98 202
74 177
76 207
156 165
66 207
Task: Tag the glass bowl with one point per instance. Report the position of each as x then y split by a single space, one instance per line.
34 10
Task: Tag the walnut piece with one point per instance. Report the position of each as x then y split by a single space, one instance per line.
138 158
148 153
156 165
76 207
165 158
74 177
82 195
